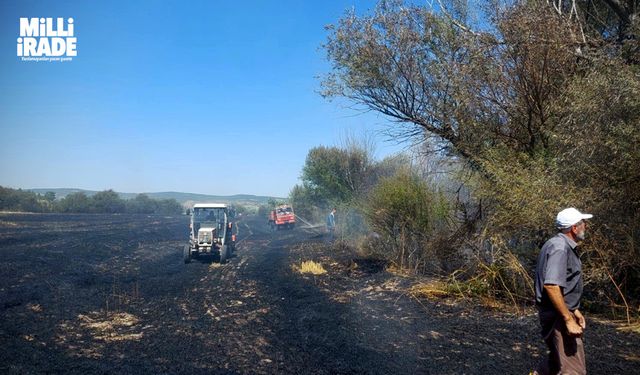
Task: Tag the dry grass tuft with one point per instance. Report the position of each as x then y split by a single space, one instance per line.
311 267
115 327
430 290
395 270
34 307
633 327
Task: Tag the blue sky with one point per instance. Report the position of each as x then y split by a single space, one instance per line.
214 97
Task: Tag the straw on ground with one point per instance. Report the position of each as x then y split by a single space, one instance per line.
312 268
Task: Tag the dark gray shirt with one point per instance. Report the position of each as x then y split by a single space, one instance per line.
559 264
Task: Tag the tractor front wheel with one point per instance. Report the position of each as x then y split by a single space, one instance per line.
224 254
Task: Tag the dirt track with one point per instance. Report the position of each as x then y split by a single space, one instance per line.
110 294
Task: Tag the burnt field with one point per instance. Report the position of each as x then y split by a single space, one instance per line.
110 294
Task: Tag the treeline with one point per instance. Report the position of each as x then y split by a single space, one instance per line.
535 106
106 201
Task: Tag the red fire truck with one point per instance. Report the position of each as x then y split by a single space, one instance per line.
282 217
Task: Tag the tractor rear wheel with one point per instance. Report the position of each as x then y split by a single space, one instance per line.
186 254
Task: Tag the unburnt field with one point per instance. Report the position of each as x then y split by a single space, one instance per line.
110 294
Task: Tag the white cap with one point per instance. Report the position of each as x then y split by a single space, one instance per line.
569 217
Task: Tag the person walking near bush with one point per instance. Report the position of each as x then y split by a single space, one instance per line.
331 225
558 288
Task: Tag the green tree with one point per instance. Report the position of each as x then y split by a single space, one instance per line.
303 201
341 176
168 207
50 196
466 91
74 202
107 201
142 204
273 202
8 199
334 175
20 200
263 211
241 209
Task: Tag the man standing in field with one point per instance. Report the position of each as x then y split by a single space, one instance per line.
558 285
331 225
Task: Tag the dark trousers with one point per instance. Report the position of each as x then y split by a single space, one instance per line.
566 353
331 233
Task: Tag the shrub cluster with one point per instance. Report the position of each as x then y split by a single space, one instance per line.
106 201
409 216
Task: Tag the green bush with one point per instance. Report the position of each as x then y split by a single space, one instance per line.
21 200
408 216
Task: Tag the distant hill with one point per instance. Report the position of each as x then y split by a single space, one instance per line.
183 198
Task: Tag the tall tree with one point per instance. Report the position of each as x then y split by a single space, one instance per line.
335 175
438 80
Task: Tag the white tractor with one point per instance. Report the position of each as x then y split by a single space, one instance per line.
211 232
